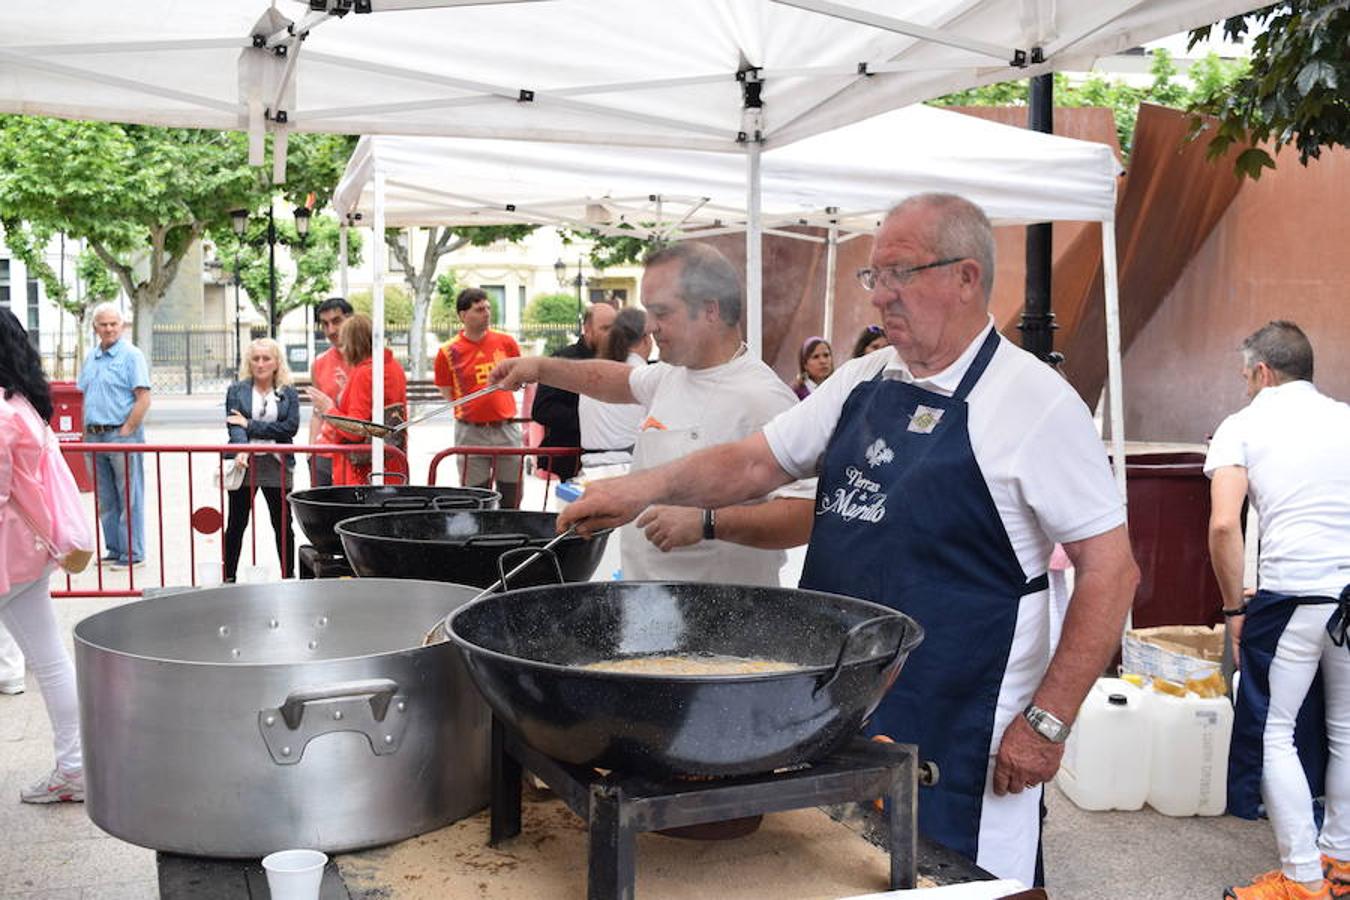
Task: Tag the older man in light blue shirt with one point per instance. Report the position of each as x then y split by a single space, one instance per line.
116 385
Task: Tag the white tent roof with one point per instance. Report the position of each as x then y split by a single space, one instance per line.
848 177
644 72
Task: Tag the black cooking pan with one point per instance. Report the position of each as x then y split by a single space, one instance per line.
525 650
321 509
463 546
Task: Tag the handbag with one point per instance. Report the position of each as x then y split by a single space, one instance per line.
234 476
71 542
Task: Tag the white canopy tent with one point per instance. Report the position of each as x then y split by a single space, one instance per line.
842 181
733 75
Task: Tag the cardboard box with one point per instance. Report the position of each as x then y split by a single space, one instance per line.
1174 652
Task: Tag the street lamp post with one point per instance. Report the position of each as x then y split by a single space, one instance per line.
239 222
560 270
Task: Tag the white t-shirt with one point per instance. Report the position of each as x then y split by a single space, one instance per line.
609 427
1040 455
688 410
1295 445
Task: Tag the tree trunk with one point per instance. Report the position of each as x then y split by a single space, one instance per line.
143 304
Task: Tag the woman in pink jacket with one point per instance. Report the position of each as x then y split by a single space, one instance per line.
25 560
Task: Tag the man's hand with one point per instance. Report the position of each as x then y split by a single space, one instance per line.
321 402
669 527
1025 759
607 504
516 372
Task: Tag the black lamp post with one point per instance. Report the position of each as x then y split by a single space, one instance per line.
560 270
239 222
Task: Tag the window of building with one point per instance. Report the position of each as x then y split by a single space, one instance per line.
34 300
497 297
4 282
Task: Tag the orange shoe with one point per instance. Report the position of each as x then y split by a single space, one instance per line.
1275 886
1337 874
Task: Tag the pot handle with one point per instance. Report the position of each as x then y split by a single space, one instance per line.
373 707
505 539
405 503
865 626
371 476
449 501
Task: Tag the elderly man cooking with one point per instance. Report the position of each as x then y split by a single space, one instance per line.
950 464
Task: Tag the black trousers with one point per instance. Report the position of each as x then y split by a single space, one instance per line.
240 501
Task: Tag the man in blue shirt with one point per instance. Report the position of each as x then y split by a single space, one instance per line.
116 385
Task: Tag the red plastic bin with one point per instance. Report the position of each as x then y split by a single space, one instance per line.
67 422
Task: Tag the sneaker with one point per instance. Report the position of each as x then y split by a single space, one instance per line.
55 788
124 564
1337 874
13 686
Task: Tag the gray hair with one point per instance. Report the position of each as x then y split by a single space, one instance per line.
106 308
1283 347
705 274
961 231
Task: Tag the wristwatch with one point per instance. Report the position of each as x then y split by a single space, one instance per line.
709 524
1046 724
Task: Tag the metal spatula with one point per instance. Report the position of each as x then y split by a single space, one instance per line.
366 428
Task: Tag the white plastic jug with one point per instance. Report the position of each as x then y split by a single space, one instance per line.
1190 754
1106 759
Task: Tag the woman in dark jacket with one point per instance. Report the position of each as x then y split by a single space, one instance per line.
262 407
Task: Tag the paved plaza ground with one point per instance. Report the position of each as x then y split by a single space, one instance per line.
56 853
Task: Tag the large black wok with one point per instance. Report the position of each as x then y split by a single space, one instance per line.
321 509
465 547
525 650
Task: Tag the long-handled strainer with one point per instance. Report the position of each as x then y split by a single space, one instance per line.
366 428
439 632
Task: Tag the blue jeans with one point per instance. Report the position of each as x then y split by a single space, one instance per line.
110 477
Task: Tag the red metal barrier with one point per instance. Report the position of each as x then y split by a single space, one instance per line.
198 520
497 453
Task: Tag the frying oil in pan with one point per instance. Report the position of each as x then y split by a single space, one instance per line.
692 664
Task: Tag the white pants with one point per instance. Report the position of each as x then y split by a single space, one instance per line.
1303 647
11 659
28 614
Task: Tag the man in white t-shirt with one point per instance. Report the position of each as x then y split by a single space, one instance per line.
705 391
949 465
1288 452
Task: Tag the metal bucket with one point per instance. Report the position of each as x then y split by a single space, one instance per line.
240 720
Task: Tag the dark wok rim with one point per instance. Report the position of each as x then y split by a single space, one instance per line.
911 640
449 492
341 529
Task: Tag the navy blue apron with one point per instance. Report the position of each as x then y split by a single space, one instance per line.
1267 615
904 518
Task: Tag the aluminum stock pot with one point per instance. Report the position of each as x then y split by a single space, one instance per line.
240 720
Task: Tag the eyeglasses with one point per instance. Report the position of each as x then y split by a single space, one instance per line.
892 277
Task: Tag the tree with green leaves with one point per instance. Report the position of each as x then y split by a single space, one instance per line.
552 309
1297 90
421 279
141 196
314 259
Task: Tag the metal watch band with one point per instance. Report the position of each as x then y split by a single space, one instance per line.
709 524
1046 724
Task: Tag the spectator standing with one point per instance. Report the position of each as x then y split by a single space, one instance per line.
1288 452
358 402
462 366
262 407
556 409
815 362
328 375
116 384
609 430
870 339
25 563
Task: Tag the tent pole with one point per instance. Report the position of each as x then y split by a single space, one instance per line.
342 260
831 268
1038 318
754 268
377 323
1115 388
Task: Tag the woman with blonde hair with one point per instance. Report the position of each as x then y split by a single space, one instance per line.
357 402
262 407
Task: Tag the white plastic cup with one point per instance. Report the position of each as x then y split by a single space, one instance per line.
254 574
208 573
295 874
